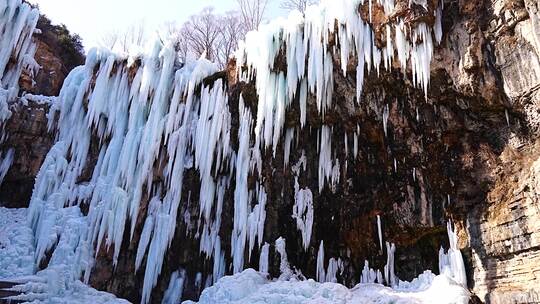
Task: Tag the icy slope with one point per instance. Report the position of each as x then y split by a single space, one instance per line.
16 244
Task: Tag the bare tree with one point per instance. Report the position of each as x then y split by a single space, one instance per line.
252 13
135 35
299 5
231 31
202 32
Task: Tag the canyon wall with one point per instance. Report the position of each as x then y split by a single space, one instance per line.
466 151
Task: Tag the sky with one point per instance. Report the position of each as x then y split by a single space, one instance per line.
94 19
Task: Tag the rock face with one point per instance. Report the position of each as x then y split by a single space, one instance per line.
50 77
467 152
504 231
57 53
28 135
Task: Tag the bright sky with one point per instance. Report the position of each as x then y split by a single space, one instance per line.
94 19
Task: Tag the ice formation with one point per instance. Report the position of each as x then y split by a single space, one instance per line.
153 120
253 287
5 163
173 294
263 259
451 263
305 41
379 231
284 267
303 213
131 118
321 273
389 274
18 22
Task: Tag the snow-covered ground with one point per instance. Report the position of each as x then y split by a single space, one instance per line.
16 244
17 265
253 287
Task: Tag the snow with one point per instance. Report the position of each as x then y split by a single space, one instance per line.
16 244
54 284
253 287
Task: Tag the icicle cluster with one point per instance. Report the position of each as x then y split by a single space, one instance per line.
305 42
153 120
18 22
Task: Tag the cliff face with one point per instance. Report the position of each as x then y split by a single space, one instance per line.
504 231
468 151
28 135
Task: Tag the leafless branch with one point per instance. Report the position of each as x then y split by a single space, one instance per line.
252 13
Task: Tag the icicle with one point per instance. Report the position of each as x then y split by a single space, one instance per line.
379 230
325 156
321 273
386 114
239 234
331 272
173 294
284 268
369 276
451 264
289 135
263 259
391 279
5 163
303 212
